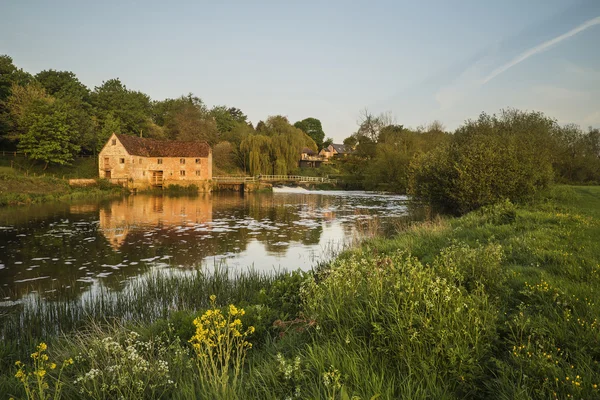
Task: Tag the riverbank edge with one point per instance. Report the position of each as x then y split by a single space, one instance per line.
545 226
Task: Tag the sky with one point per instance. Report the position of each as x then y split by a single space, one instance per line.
418 60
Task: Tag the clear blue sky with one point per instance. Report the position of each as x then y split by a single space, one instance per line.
419 60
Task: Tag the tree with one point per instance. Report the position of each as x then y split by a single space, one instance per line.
63 85
505 156
20 101
276 149
50 133
313 128
350 141
260 127
370 126
110 125
228 119
10 77
327 142
132 108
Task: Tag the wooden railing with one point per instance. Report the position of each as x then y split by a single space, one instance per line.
273 178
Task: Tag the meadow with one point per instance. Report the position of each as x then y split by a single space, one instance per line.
501 303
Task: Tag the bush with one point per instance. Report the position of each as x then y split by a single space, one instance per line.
488 160
501 213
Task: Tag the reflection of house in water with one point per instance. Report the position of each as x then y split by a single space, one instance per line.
144 212
83 208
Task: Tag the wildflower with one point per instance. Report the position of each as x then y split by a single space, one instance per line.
220 344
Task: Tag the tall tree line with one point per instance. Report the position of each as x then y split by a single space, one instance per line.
52 117
509 155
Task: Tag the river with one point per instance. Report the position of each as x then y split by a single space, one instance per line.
47 248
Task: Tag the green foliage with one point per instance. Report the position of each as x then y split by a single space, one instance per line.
63 85
493 158
228 118
125 365
313 128
275 150
503 212
10 76
50 133
131 108
416 318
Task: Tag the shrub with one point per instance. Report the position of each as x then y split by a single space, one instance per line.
501 213
488 160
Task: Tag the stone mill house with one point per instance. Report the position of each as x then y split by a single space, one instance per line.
143 163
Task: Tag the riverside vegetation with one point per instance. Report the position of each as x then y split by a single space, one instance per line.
17 188
499 303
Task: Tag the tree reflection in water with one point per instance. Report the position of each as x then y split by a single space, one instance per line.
50 248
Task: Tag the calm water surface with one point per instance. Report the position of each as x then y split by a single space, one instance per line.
48 248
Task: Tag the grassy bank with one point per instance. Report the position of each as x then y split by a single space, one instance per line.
501 303
17 188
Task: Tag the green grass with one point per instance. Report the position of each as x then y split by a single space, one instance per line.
18 188
501 303
81 167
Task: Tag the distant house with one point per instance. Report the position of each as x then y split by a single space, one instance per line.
144 163
335 150
310 159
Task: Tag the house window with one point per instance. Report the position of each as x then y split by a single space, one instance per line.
182 173
114 142
121 160
182 161
159 160
198 173
197 161
143 173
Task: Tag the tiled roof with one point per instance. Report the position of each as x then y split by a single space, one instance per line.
341 149
308 151
145 147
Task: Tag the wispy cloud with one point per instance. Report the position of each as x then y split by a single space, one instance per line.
541 48
478 73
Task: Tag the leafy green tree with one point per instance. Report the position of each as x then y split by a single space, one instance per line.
260 127
132 108
228 119
10 77
63 85
50 133
276 149
327 142
350 141
110 125
20 101
505 156
313 128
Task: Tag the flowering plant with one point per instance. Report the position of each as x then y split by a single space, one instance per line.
220 345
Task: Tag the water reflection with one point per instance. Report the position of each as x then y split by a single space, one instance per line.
51 248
